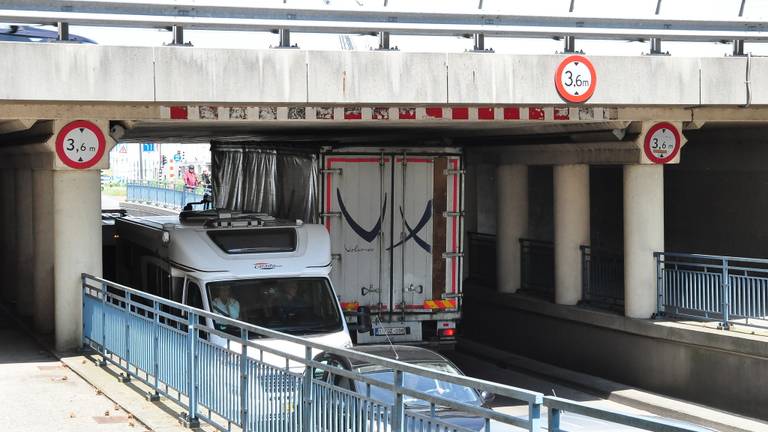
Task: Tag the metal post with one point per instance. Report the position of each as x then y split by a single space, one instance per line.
63 31
244 379
126 377
384 40
738 47
190 419
178 36
306 414
103 361
570 44
479 42
155 396
398 410
554 420
726 294
659 284
534 416
656 46
285 38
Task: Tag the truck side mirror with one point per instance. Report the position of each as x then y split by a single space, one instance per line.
363 319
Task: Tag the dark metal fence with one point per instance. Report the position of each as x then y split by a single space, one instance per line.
602 277
482 258
537 268
723 288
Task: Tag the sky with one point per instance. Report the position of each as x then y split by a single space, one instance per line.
693 9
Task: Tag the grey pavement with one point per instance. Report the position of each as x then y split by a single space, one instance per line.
39 393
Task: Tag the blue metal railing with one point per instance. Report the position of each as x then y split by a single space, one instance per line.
712 287
602 273
163 194
246 382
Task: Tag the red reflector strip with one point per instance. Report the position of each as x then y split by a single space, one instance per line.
434 112
407 113
353 113
460 113
562 114
535 113
485 113
350 306
179 113
512 113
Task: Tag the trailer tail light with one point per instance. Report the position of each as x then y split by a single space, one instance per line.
447 332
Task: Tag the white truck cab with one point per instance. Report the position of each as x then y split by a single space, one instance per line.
250 267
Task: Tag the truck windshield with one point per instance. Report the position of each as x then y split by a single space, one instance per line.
298 306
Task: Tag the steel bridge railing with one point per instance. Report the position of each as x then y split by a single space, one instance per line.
240 379
537 268
602 273
164 194
712 287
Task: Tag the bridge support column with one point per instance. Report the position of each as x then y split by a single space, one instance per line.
643 235
77 248
42 187
8 253
511 223
24 241
571 214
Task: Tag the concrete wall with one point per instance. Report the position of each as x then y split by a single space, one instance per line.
705 368
716 200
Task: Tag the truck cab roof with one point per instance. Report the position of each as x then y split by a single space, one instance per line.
235 245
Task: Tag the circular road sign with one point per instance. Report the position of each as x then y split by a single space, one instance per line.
80 144
575 79
662 143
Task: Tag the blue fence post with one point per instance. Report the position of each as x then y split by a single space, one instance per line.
190 420
155 396
398 411
126 377
306 414
554 420
726 294
103 361
244 380
659 284
534 415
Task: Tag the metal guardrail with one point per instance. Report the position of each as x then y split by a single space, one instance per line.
237 16
482 258
537 268
163 194
716 287
602 273
246 383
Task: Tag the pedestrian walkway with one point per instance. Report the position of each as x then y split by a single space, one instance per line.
39 393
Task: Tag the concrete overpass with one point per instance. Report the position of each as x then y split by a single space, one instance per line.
504 110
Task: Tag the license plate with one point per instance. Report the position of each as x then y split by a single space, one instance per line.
390 331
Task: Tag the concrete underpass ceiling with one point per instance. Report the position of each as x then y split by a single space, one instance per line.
475 133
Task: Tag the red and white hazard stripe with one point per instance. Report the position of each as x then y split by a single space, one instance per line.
387 114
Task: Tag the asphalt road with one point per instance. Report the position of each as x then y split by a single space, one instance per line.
483 369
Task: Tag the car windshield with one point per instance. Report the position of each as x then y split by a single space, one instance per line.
429 386
297 306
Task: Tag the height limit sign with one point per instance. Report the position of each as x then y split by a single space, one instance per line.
575 79
80 144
